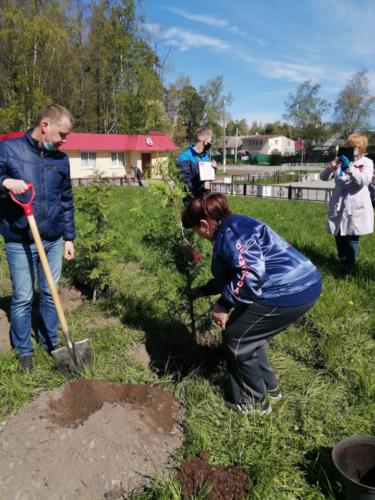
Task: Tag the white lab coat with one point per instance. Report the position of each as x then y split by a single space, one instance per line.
350 209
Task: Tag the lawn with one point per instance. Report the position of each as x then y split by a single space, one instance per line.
325 361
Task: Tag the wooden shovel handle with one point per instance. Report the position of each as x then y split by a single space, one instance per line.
47 272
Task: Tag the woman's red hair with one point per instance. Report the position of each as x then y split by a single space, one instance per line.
212 208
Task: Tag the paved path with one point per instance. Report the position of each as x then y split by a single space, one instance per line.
311 184
253 169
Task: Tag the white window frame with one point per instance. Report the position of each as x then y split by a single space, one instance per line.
119 160
88 160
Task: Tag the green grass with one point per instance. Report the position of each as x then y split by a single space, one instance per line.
325 361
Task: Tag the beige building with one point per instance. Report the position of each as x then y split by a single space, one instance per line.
113 155
268 144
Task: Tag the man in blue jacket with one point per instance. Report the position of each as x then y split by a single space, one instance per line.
188 165
35 158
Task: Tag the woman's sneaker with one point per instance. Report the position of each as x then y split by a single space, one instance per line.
275 394
255 407
238 407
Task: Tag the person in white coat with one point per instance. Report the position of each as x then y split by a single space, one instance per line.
350 212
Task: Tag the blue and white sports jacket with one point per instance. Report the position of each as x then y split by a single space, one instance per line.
252 263
188 164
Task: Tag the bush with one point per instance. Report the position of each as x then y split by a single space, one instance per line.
94 245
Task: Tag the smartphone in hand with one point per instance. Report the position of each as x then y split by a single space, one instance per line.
347 151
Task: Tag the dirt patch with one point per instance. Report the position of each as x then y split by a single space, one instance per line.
140 354
98 322
89 439
4 331
180 353
71 299
219 483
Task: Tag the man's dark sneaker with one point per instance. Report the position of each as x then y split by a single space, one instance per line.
26 363
275 394
255 407
50 350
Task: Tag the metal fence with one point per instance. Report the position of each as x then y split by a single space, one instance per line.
277 192
276 177
113 181
307 166
254 176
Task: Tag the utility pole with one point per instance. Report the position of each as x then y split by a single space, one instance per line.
224 146
235 153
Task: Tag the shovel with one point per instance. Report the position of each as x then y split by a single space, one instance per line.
76 355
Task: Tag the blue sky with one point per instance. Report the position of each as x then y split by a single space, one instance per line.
264 48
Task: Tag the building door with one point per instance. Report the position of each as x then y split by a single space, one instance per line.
146 164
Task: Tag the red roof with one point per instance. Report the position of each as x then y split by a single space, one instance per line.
11 135
155 141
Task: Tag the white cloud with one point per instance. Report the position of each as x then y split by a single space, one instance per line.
261 42
291 71
295 71
153 28
185 40
216 22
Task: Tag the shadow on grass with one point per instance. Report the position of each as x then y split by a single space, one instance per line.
320 471
5 304
172 348
363 271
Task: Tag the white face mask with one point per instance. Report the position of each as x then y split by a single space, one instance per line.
356 153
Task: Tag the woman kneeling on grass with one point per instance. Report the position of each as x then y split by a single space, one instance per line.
267 283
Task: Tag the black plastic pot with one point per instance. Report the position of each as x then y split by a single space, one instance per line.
354 458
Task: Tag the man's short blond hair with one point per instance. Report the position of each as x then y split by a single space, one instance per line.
54 112
358 141
202 133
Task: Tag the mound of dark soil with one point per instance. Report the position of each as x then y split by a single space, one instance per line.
82 398
88 440
220 483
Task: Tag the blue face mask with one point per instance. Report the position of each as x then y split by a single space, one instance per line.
49 146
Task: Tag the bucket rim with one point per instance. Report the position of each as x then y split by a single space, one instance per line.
360 439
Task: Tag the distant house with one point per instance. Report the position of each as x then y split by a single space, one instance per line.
328 147
268 144
113 155
232 143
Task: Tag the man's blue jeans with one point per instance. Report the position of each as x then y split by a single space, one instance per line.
23 262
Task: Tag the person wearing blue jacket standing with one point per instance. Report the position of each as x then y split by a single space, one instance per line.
266 284
188 165
35 158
